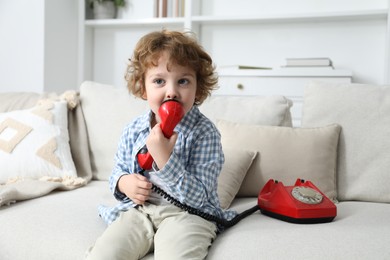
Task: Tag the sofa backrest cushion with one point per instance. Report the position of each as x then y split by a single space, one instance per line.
258 110
363 112
107 109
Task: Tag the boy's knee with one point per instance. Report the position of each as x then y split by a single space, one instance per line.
130 236
187 237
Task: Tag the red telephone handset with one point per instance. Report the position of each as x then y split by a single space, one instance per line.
170 112
302 203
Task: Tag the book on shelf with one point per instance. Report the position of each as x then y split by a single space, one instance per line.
243 67
308 62
169 8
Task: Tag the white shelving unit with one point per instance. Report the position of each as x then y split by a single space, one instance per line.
264 36
194 20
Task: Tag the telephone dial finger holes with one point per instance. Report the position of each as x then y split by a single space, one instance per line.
307 195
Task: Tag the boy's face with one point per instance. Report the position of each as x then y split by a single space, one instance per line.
178 83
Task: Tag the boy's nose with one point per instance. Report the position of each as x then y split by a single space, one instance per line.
172 93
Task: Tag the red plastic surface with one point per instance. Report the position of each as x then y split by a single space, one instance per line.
277 199
170 112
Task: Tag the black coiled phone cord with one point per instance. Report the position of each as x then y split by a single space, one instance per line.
222 223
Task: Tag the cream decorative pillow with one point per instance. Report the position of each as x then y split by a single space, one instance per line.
34 143
270 110
363 111
237 163
285 154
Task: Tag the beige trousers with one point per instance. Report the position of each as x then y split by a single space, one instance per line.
167 230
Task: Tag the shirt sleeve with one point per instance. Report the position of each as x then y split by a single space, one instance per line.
121 166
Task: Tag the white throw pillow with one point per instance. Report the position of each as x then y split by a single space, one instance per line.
285 154
34 143
237 163
363 111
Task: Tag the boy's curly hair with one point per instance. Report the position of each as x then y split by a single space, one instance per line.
183 49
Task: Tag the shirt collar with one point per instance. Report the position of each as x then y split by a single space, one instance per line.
189 121
145 121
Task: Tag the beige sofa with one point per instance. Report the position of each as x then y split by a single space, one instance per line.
49 196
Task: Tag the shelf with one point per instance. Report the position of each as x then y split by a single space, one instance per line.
324 16
264 18
285 73
97 23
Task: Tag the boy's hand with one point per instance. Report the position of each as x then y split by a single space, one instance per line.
136 187
160 147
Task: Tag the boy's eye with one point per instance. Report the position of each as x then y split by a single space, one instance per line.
158 81
183 81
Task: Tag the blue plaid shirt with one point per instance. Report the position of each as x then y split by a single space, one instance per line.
191 172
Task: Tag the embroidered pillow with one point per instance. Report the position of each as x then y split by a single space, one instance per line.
34 143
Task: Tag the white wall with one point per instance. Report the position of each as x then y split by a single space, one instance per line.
38 45
61 45
21 45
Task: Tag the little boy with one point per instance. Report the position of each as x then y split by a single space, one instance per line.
165 65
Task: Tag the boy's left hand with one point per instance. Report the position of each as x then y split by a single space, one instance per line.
160 147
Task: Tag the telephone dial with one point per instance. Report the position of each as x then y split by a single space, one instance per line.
301 203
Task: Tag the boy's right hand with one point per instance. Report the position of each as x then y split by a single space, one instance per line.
136 187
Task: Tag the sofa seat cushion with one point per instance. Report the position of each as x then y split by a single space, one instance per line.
360 231
61 225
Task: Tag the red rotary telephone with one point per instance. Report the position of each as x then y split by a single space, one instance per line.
170 112
302 203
